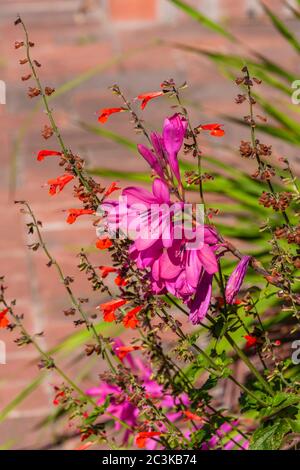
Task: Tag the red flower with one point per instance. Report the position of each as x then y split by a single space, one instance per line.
74 213
113 187
108 309
130 320
122 351
104 243
277 342
3 320
105 113
141 438
215 129
58 184
106 270
190 415
251 341
145 97
59 395
119 281
47 153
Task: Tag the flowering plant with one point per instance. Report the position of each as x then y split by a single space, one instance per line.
187 314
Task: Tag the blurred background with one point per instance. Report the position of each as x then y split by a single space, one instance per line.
84 47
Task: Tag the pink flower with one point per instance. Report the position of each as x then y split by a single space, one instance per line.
236 279
171 265
166 147
120 405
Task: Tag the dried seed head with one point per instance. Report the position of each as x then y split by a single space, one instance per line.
23 61
26 77
19 44
246 149
32 92
47 132
49 90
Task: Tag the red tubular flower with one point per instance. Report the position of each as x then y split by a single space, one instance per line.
47 153
58 184
122 351
215 129
57 397
103 243
105 113
141 438
113 187
106 270
145 97
108 309
190 415
130 320
3 320
251 341
74 213
119 281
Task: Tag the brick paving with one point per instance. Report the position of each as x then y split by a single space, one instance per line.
70 43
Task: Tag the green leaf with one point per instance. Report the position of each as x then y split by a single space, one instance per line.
107 134
270 437
21 396
282 28
202 19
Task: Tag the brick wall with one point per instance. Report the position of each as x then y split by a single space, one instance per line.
141 11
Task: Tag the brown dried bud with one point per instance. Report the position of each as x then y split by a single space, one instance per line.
296 262
19 44
37 63
294 236
47 132
89 349
23 61
32 92
279 202
281 232
70 312
265 150
240 99
257 80
17 21
26 77
31 44
239 80
246 149
49 90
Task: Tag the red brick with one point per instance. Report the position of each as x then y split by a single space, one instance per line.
133 10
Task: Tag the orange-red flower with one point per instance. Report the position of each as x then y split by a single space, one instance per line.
141 438
47 153
103 243
86 445
119 281
74 213
106 270
130 320
108 309
251 341
57 397
113 187
3 319
105 113
215 129
145 97
122 351
58 184
190 415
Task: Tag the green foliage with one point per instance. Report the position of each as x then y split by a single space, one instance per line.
270 436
